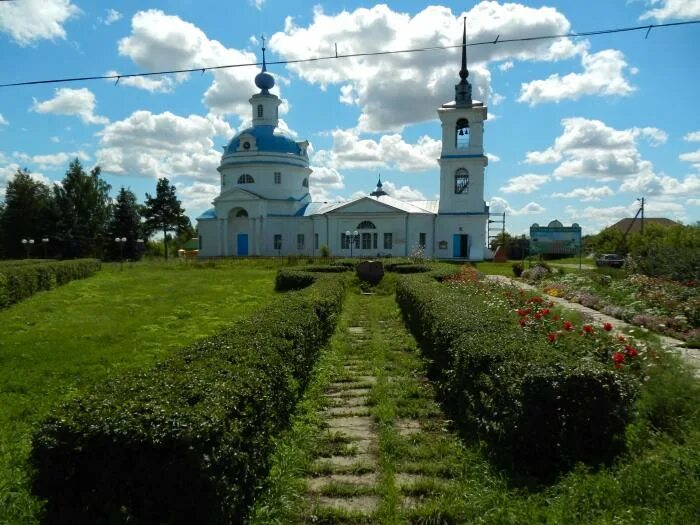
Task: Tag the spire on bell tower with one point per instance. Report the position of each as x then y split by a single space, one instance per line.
264 80
379 191
463 90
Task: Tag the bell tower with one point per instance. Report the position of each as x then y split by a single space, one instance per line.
462 160
264 104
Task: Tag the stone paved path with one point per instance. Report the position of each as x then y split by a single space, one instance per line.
691 355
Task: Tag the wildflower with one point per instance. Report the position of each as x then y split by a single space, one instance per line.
618 359
538 315
523 321
568 325
551 337
555 318
631 351
587 328
607 327
622 338
522 312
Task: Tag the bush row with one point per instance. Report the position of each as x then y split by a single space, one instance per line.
24 280
302 277
189 440
537 409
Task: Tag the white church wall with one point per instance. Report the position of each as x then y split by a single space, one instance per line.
291 178
417 225
447 226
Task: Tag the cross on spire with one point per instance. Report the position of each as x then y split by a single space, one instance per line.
463 90
264 68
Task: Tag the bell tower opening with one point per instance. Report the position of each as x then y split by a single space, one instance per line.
462 134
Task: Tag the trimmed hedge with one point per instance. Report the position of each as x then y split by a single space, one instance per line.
302 277
538 410
17 282
187 441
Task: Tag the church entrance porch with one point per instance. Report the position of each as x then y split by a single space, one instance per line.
460 246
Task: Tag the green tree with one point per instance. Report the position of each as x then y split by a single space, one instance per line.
609 240
26 213
126 222
84 209
164 212
502 239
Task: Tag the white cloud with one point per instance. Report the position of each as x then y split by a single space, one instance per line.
586 194
525 183
161 84
693 156
603 74
493 157
66 101
500 205
197 196
258 4
7 173
322 181
112 16
693 202
672 9
162 145
159 41
3 122
349 151
496 99
395 90
55 140
693 136
403 193
28 21
590 148
51 160
506 66
663 185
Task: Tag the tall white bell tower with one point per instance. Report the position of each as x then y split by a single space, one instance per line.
462 160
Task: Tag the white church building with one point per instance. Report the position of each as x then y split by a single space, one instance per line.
265 208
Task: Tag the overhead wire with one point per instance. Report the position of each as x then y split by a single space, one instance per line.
336 56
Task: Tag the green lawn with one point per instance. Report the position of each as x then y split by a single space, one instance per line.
57 342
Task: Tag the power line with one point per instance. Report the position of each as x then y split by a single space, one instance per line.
336 56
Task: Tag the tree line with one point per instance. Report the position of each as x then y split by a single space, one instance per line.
78 218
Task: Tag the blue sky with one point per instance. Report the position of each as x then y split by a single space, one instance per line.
577 131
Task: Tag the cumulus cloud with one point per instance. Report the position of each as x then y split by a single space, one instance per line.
403 193
28 21
51 160
603 74
66 101
672 9
159 41
590 148
7 173
3 121
586 194
506 66
692 156
493 157
257 4
349 151
396 90
662 185
197 196
111 16
162 84
500 205
162 145
525 183
693 136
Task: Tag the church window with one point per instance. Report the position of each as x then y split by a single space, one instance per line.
387 241
374 240
278 241
421 240
366 225
278 177
366 241
260 110
462 134
245 179
461 181
300 241
241 214
305 183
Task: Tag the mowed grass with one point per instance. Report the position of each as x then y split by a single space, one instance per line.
58 342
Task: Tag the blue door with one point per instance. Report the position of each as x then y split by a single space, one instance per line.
242 244
460 246
455 245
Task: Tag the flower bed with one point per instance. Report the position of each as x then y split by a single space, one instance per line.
187 441
661 305
540 402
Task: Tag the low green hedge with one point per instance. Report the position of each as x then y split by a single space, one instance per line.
17 282
187 441
302 277
539 410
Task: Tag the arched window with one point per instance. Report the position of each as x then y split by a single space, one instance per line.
462 134
305 183
241 213
245 179
260 110
461 181
366 225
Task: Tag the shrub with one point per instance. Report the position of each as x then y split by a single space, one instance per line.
517 269
408 268
187 441
19 281
538 410
292 280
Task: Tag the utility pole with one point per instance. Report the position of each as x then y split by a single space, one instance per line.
641 209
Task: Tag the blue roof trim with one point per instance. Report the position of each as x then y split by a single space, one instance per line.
463 156
234 160
209 214
267 138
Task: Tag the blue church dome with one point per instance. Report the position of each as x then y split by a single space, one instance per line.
265 81
267 139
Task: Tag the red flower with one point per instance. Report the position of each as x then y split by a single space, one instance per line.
555 318
551 337
535 300
588 328
523 311
618 358
568 325
621 338
551 304
523 321
631 351
545 311
538 315
607 327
